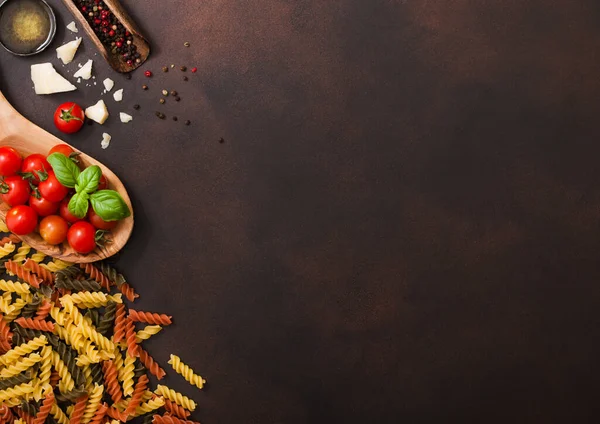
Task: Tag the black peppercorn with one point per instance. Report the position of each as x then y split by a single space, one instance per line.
136 107
144 87
173 93
165 69
177 98
174 118
185 78
188 122
183 68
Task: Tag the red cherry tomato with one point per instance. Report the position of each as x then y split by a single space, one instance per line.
35 164
21 220
66 213
69 118
65 149
98 222
103 183
81 237
43 207
53 229
10 161
52 189
15 190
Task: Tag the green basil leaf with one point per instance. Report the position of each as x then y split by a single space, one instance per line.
109 205
65 170
78 205
88 180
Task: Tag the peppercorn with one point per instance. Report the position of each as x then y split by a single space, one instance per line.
188 122
148 74
160 115
187 44
183 69
185 78
165 69
136 107
221 140
174 118
162 101
194 70
177 98
165 93
144 87
172 66
128 76
173 93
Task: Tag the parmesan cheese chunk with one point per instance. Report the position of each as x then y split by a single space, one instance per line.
108 84
118 95
125 118
72 27
105 140
66 52
97 112
47 81
85 72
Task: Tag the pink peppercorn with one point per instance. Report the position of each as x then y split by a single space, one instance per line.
148 74
194 70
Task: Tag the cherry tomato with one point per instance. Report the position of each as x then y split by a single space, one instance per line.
66 213
81 237
43 207
98 222
34 164
65 149
103 183
52 189
21 220
10 161
15 190
53 229
69 118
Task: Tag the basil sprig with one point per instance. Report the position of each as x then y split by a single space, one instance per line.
108 204
65 170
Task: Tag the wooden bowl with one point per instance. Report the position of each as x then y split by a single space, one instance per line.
16 131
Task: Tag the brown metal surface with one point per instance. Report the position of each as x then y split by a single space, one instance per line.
402 222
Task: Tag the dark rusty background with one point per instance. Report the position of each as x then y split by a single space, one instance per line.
402 223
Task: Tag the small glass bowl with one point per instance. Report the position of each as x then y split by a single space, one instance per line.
51 32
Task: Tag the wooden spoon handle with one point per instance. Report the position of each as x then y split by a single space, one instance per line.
7 113
114 59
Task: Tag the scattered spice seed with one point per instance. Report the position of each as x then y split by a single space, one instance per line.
136 107
185 78
194 70
165 69
173 93
174 118
187 44
162 101
172 66
160 115
221 140
165 93
128 76
148 74
183 68
177 98
144 87
188 122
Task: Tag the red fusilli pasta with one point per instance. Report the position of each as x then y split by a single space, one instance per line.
96 274
116 414
150 317
6 416
43 273
23 274
25 416
176 410
10 239
43 311
40 325
132 346
112 384
54 378
150 364
136 397
120 322
44 409
128 292
5 335
79 410
100 414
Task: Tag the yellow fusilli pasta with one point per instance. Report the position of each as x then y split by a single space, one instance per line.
151 405
22 350
14 287
7 249
22 253
176 397
147 332
128 374
20 365
93 403
186 372
38 257
56 265
17 392
66 383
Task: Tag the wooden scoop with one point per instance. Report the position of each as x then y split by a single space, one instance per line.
114 60
16 131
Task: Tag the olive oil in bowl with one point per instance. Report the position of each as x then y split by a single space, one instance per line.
26 26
